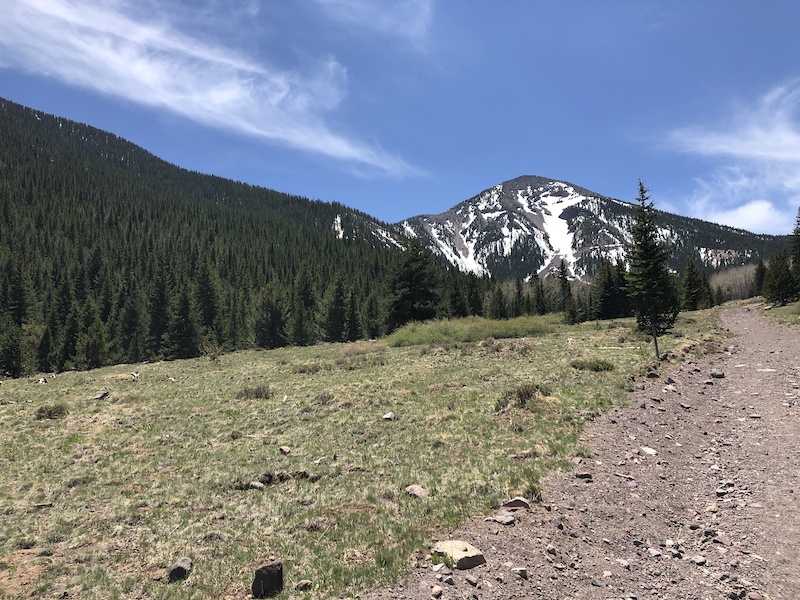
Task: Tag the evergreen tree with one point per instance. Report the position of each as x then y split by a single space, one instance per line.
302 314
209 302
539 304
651 286
695 290
794 248
603 293
373 319
413 287
352 322
780 286
498 307
183 338
474 302
335 313
269 321
92 344
132 334
758 278
12 360
518 300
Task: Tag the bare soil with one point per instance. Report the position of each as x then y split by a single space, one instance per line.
691 491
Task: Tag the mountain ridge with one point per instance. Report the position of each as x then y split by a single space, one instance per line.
525 226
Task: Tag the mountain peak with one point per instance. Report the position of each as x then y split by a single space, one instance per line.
526 226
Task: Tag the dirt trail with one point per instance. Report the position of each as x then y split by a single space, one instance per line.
691 492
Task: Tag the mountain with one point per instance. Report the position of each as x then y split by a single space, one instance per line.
527 225
110 254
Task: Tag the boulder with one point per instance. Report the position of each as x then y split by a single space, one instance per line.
268 580
180 569
464 555
417 491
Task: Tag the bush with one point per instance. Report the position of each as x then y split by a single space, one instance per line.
259 392
523 396
55 411
592 364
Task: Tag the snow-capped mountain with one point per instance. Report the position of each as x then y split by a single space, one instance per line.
530 224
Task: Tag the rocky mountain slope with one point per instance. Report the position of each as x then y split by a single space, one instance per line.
528 225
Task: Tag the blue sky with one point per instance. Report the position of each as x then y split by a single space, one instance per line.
404 107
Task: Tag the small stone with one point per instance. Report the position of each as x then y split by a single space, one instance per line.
517 502
448 579
303 585
755 416
583 475
416 491
472 580
717 374
670 388
654 552
180 569
669 381
504 518
437 591
649 451
268 580
256 485
520 572
285 449
464 556
389 416
699 560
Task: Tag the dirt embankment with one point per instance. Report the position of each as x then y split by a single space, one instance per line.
691 492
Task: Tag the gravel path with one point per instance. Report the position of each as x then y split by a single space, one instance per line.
690 492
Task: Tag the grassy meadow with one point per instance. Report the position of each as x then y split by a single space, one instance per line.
101 493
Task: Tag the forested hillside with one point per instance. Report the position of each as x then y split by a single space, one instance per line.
109 254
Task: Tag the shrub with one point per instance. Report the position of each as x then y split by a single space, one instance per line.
55 411
259 392
523 396
592 364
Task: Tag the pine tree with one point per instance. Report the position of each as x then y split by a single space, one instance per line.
651 286
335 313
474 301
695 291
12 361
758 278
518 300
92 344
269 321
498 307
795 248
780 286
183 338
352 322
413 287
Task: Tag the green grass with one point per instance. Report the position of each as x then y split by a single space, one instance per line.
101 500
789 314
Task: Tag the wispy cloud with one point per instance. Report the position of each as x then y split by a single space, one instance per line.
110 47
410 19
757 186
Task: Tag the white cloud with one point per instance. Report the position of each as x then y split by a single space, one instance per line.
757 186
109 47
409 19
